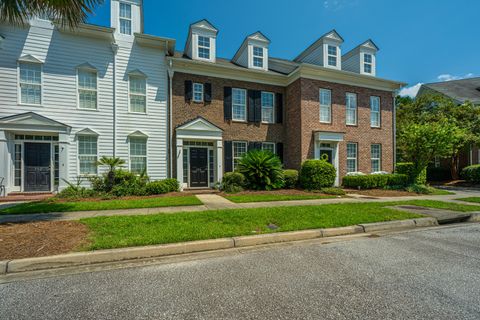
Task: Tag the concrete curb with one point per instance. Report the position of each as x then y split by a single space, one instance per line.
115 255
475 217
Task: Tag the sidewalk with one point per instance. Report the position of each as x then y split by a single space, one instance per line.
215 202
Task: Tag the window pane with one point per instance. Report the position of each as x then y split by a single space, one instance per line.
267 107
239 149
367 58
267 146
138 155
87 79
87 99
31 93
239 106
204 41
351 109
258 52
138 99
125 10
376 156
332 61
87 154
258 62
367 68
204 53
198 92
125 26
375 111
351 157
332 50
138 85
18 165
325 105
30 73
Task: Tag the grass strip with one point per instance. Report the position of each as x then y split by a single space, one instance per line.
245 198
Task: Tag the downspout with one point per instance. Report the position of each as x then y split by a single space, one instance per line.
114 105
394 113
170 117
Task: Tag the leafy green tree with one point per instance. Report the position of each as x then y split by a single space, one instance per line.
68 12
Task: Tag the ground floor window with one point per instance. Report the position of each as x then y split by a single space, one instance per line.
351 157
18 165
138 155
239 149
268 146
376 157
87 154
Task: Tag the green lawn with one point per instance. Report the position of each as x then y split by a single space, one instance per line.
55 206
127 231
470 199
440 192
439 205
274 197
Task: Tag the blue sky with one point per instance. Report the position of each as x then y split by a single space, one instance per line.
420 40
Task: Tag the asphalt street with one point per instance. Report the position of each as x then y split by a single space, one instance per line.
421 274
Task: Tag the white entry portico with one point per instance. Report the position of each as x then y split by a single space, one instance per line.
199 154
326 147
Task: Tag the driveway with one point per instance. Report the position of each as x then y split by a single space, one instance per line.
422 274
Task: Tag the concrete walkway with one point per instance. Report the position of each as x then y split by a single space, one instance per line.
216 202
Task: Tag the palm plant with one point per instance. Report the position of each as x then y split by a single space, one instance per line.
262 170
68 12
113 164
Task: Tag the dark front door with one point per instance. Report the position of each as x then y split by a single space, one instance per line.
327 155
198 167
37 166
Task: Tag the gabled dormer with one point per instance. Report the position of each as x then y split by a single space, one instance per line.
253 53
201 41
126 17
362 59
324 52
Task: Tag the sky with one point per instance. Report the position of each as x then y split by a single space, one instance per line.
420 41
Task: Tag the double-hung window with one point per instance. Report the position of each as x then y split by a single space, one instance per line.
138 94
351 108
376 157
325 105
239 104
87 154
375 111
268 107
204 47
87 89
351 157
198 92
367 63
30 83
239 150
268 146
138 155
332 55
258 57
125 18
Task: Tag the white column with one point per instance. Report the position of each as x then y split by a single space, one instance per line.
4 162
63 146
219 160
335 163
180 163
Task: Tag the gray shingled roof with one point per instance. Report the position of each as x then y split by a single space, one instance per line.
459 90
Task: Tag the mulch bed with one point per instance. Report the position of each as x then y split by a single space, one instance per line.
37 239
288 192
171 194
381 193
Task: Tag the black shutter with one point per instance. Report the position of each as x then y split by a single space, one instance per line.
258 106
279 107
251 106
280 150
228 158
258 145
227 103
188 90
208 92
251 145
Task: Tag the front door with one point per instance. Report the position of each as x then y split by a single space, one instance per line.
327 154
37 166
198 167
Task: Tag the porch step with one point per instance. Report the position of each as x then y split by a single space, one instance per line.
200 191
26 196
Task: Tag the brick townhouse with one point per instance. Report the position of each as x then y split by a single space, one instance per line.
320 105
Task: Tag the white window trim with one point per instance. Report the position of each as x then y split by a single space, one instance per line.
130 155
329 106
333 56
350 158
379 159
202 92
273 107
78 89
19 90
204 47
378 112
245 106
78 156
347 108
233 151
146 95
257 56
270 143
120 18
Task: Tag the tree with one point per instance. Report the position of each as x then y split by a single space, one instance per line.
68 12
113 164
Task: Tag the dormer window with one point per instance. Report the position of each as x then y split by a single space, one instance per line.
332 56
258 57
204 47
367 63
125 18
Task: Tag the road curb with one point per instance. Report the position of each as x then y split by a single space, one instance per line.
475 217
115 255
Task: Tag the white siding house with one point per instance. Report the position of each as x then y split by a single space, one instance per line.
69 97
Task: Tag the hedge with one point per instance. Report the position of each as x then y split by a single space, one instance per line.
414 176
471 173
291 178
375 181
317 174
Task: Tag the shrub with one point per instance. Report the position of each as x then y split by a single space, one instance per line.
333 191
471 173
317 174
420 188
173 185
291 178
262 170
373 181
233 182
162 186
72 192
415 175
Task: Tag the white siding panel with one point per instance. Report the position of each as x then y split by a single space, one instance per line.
352 63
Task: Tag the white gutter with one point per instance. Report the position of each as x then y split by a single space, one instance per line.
114 50
394 113
170 119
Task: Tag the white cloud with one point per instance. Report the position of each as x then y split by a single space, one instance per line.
449 77
410 91
336 5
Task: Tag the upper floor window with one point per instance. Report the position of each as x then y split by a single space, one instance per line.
325 105
267 107
258 57
138 155
125 18
138 94
375 111
351 109
367 63
239 150
87 154
87 89
332 56
198 92
204 47
239 104
351 157
30 83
